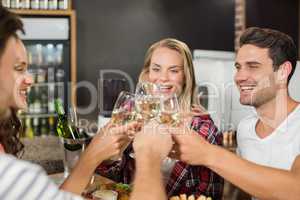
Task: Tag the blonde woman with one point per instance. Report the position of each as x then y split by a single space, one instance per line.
169 63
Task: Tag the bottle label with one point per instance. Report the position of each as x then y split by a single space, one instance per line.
58 107
44 4
63 4
34 4
6 3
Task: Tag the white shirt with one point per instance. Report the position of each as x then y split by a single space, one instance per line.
277 150
23 180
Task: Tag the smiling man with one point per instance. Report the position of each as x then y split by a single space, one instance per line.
268 165
265 64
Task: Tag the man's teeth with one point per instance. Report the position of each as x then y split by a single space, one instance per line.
243 88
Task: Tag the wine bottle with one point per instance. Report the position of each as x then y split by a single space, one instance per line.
44 127
66 130
28 131
51 122
36 126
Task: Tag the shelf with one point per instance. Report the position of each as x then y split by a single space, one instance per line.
32 115
47 84
43 12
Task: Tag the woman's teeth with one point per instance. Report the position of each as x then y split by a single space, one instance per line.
24 92
165 87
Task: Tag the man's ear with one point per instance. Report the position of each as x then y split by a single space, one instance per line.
284 71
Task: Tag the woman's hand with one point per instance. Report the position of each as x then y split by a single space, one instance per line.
198 110
109 141
106 143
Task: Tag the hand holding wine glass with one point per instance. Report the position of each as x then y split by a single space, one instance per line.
122 115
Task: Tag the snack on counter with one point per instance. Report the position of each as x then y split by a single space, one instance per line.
105 195
183 197
202 197
191 197
175 198
109 191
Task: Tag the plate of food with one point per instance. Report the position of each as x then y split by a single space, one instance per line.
109 191
191 197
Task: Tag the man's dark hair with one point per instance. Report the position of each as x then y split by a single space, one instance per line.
280 45
10 127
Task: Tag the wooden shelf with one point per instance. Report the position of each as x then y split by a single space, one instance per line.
43 12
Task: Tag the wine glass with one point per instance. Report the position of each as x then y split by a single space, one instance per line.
123 112
169 109
147 100
124 109
147 88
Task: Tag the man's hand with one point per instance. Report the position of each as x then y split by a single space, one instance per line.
153 140
190 146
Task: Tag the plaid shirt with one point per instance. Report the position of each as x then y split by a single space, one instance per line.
184 179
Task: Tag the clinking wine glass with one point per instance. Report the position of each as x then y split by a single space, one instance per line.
147 88
124 109
169 114
169 109
147 100
123 112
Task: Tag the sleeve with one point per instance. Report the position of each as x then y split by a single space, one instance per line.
119 171
205 126
210 183
31 182
111 170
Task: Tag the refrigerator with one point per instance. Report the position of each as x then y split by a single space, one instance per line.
47 41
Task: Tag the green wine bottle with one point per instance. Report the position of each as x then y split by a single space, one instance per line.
65 129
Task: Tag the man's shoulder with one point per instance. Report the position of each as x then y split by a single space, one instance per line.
245 126
248 120
295 114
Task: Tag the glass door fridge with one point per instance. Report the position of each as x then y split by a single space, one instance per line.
48 47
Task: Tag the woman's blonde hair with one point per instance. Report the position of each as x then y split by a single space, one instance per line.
186 98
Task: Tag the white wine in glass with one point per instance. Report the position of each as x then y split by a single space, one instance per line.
169 110
147 107
123 112
147 100
124 109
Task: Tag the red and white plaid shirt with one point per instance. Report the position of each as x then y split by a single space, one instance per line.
184 179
